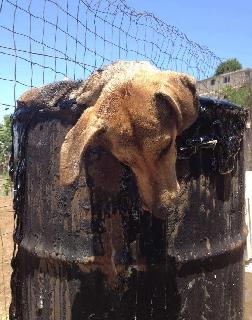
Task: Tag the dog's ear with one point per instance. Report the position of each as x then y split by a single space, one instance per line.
163 99
189 82
182 98
87 128
188 101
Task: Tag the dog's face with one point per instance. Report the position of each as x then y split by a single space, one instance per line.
138 122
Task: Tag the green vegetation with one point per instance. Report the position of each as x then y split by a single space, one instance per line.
240 96
5 184
5 149
5 141
229 65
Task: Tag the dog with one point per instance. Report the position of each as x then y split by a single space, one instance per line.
135 111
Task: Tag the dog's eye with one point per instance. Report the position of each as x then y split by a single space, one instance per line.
164 151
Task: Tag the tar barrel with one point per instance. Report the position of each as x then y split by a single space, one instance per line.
89 251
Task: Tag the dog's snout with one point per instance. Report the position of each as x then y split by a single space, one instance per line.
167 211
168 196
164 212
165 205
163 202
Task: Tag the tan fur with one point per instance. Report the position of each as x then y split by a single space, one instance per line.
137 112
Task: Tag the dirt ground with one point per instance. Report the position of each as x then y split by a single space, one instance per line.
6 250
248 296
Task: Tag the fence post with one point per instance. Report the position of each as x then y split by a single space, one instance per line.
89 252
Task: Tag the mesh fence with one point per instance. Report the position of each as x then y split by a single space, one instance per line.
49 40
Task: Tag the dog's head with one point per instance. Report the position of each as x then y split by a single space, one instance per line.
138 121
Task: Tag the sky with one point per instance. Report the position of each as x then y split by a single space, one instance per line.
224 27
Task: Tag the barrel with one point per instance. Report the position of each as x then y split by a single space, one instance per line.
89 251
